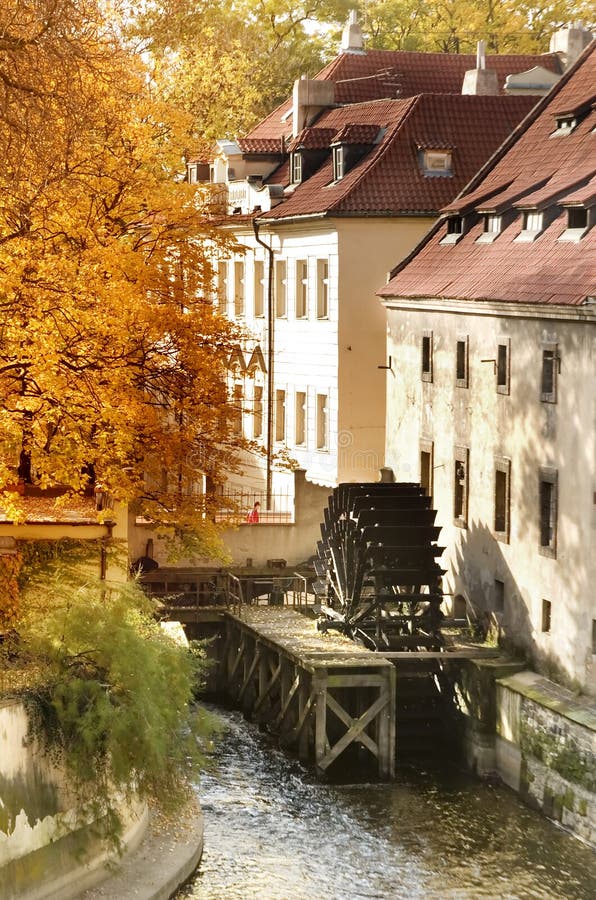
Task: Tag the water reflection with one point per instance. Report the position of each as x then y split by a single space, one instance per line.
273 833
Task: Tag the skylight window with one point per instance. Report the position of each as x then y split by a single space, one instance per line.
436 162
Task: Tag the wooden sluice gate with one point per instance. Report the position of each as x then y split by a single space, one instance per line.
322 695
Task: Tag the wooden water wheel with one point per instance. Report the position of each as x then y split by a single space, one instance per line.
378 577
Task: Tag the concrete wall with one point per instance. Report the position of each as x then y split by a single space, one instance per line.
515 426
47 845
294 542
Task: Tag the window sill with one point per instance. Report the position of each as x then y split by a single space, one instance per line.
549 552
427 376
460 523
487 237
526 237
503 389
501 536
451 238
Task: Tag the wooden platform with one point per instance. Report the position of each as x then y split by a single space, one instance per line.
320 693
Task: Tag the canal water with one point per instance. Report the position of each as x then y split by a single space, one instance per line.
272 832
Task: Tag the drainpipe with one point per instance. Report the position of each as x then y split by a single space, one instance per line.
103 551
270 343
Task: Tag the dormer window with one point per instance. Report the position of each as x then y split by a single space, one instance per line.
296 167
565 125
578 220
493 225
436 162
455 230
339 162
532 225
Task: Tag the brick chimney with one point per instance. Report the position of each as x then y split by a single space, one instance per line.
309 98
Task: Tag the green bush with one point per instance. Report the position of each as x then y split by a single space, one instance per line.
115 703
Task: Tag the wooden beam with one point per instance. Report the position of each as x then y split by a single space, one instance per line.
354 731
348 720
267 688
287 701
250 672
352 681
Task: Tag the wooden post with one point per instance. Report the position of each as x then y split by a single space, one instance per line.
320 688
386 729
303 736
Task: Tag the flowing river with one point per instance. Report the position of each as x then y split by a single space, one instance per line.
273 832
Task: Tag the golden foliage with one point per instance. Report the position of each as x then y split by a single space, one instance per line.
10 608
112 354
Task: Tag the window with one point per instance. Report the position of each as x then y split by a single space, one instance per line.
296 166
550 369
502 499
237 398
300 419
436 162
280 415
493 225
460 486
259 286
281 306
503 354
499 596
339 159
577 223
322 289
239 287
461 361
547 501
546 616
455 230
322 421
257 411
222 282
301 288
426 467
532 223
427 356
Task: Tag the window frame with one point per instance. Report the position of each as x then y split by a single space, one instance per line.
302 419
301 289
339 161
461 456
462 381
239 288
428 447
550 476
322 427
279 421
258 409
426 374
296 167
259 289
503 387
502 466
322 289
281 289
550 396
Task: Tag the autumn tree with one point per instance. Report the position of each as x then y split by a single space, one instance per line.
112 355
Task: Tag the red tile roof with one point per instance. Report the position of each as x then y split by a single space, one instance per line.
313 139
396 74
390 179
546 270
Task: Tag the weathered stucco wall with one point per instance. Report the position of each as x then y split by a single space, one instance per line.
531 434
47 845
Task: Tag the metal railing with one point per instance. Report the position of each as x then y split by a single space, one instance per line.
235 506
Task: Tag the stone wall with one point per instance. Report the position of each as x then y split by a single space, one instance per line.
48 846
546 749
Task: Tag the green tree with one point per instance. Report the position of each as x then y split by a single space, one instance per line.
454 26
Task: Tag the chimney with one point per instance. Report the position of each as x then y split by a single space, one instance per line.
481 81
351 38
309 98
569 43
